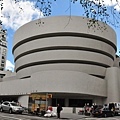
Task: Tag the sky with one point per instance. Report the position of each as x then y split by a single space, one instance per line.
13 17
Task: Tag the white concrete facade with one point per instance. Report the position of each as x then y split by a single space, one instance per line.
66 60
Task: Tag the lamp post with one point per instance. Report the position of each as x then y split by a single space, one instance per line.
46 101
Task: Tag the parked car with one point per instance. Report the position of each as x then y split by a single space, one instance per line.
11 107
115 106
102 111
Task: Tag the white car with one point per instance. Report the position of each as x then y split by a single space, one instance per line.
11 107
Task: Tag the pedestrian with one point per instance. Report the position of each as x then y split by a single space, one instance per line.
59 109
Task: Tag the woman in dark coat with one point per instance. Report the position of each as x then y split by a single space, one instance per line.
59 109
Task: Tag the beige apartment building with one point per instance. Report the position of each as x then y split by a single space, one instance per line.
63 57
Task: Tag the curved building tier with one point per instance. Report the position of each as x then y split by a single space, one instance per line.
62 45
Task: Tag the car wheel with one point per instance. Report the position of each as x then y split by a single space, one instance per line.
10 111
105 115
20 113
1 109
116 113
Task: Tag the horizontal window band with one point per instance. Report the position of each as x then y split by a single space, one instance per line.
99 76
25 77
3 46
63 34
64 48
61 61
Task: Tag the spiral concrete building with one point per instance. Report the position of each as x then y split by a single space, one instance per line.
67 59
57 46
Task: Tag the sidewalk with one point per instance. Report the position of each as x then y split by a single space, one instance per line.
72 116
68 116
65 116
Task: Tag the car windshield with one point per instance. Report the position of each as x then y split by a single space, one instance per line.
98 107
14 104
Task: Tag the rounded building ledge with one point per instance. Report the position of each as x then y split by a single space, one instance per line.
68 82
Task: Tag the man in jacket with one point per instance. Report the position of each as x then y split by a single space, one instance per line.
59 109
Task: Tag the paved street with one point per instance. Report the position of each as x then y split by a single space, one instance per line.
7 116
65 116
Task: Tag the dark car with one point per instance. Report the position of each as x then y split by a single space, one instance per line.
102 111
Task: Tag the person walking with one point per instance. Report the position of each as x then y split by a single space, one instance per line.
59 109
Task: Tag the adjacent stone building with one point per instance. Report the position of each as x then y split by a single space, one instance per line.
3 49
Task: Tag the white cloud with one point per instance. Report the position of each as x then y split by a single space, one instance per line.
9 66
114 3
109 2
13 17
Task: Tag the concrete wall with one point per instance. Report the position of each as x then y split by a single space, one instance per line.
56 82
68 82
23 100
15 87
9 75
113 84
